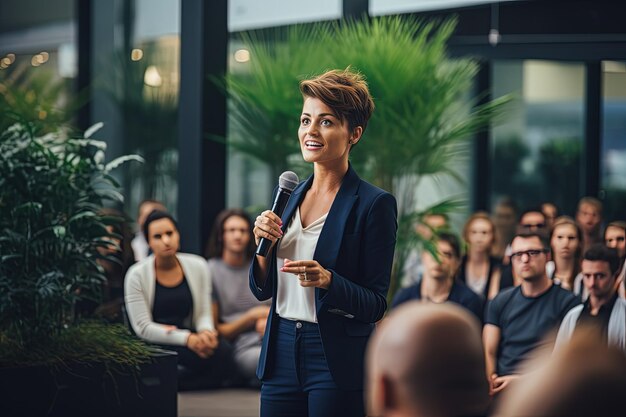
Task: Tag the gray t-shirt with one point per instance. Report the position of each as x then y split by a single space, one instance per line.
231 292
524 321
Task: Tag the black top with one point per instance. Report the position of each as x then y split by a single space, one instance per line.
524 321
459 294
601 320
172 305
493 264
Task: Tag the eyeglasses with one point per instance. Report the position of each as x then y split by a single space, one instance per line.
532 226
531 253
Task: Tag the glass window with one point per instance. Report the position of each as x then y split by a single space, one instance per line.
536 152
613 152
137 79
37 60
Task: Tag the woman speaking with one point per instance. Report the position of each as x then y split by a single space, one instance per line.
329 267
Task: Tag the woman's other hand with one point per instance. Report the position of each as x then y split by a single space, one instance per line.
310 273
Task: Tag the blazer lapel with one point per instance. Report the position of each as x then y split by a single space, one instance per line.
329 242
294 201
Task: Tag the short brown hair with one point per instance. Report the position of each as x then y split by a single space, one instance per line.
345 92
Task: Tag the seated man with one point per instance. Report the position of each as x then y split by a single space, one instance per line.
603 309
615 237
519 317
438 283
426 360
589 218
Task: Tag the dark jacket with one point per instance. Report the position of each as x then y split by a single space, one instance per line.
356 245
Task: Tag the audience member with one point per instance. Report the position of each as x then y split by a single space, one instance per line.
168 302
566 242
139 242
550 212
426 360
479 270
240 316
589 218
532 220
519 317
615 237
603 309
430 223
505 221
438 283
586 378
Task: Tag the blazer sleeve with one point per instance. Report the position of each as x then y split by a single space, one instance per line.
265 291
203 317
367 300
140 314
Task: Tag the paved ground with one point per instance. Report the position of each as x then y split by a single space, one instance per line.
219 403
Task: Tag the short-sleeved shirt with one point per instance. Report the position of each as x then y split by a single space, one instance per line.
233 295
524 321
459 294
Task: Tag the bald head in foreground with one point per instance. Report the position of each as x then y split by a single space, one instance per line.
586 378
427 360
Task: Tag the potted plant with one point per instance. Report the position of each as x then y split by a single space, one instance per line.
425 111
52 188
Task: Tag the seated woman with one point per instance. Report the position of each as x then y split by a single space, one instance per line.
240 316
479 270
566 242
168 302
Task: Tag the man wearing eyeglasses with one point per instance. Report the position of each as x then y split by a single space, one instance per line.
603 309
519 317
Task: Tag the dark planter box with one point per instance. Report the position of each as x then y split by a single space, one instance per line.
91 390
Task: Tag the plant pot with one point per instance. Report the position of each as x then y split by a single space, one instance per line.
91 390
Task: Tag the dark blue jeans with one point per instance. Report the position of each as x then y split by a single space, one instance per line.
300 383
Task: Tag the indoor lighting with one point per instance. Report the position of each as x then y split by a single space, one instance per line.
11 57
242 55
34 61
136 54
152 77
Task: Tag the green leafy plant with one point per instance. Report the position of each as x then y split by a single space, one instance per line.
52 188
425 111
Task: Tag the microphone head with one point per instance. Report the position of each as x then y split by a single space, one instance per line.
288 180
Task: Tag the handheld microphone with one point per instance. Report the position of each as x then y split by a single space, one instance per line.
287 182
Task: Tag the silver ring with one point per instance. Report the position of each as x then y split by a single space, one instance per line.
303 276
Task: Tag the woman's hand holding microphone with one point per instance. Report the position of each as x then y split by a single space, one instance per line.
309 272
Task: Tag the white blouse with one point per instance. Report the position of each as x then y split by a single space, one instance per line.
293 301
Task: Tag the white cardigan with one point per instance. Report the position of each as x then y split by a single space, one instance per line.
616 331
139 288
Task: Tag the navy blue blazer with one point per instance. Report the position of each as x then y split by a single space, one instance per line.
356 245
